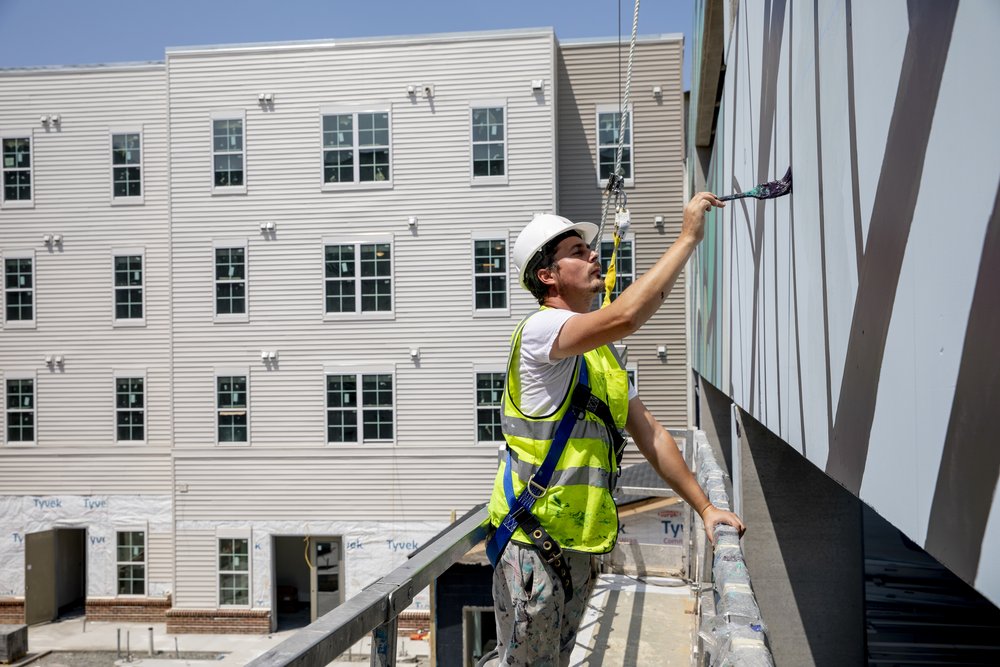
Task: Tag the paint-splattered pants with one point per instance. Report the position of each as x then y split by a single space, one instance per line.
535 625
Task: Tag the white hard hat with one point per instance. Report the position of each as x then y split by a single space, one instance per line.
542 229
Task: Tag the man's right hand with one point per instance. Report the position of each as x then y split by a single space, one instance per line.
694 215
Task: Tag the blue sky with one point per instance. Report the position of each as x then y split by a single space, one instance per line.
74 32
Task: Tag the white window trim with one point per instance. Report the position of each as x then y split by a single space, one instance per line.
490 180
30 136
498 367
224 114
359 372
19 375
18 254
357 183
358 241
613 108
129 373
234 534
503 235
128 322
127 201
232 317
133 528
228 372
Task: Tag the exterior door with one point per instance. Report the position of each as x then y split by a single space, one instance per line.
40 577
326 583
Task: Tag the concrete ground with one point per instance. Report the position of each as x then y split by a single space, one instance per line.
49 644
633 622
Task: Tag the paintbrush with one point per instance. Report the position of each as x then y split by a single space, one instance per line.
768 190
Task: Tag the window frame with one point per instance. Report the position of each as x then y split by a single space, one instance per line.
357 242
628 238
479 236
230 244
482 369
354 112
233 534
131 374
231 372
606 109
227 114
359 374
497 179
19 254
144 530
128 321
14 376
18 203
127 200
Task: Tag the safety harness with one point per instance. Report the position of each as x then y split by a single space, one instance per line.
520 515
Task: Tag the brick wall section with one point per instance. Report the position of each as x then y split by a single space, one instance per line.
219 621
413 621
12 611
128 610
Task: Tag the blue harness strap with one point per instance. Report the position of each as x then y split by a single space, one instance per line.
519 511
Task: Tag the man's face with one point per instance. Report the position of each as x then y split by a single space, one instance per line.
576 266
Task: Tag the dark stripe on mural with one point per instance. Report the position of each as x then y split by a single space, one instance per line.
852 126
926 50
774 27
970 463
822 222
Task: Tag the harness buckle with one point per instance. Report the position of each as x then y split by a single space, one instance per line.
532 485
554 556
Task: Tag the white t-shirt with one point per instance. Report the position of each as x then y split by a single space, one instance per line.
544 382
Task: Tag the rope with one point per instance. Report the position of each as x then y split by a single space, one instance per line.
616 182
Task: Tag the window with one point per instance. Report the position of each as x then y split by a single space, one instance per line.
128 287
488 143
624 265
231 405
130 409
230 281
356 148
234 571
489 268
227 153
20 409
126 166
131 559
359 277
16 170
608 127
489 399
19 290
376 423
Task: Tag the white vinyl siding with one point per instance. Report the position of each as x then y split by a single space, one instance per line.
128 278
609 126
19 298
17 169
126 167
489 142
357 147
20 409
229 152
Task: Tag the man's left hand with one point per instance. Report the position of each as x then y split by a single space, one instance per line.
712 515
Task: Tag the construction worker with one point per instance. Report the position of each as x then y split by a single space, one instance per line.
566 400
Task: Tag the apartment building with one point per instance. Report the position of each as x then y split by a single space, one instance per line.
257 301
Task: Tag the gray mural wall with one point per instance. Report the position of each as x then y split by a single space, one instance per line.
859 317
